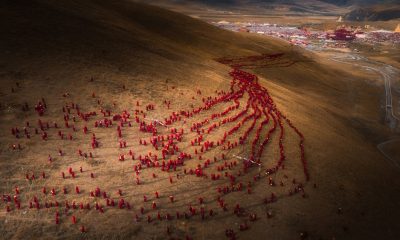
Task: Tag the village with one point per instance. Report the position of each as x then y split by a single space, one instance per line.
316 39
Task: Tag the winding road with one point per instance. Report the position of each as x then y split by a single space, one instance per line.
388 74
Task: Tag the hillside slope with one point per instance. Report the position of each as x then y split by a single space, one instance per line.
53 49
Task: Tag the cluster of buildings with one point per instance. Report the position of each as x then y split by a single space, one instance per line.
338 38
288 33
380 36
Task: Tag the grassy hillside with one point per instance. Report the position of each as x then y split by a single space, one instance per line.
53 48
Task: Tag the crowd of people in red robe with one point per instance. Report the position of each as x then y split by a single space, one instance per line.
259 110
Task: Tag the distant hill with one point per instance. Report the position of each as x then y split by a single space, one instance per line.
288 2
373 14
318 7
256 6
358 2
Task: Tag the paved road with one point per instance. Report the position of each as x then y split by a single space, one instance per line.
388 74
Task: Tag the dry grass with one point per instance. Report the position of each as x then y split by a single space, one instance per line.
59 46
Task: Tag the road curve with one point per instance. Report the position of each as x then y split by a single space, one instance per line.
383 70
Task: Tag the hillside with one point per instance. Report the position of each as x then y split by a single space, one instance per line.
123 55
